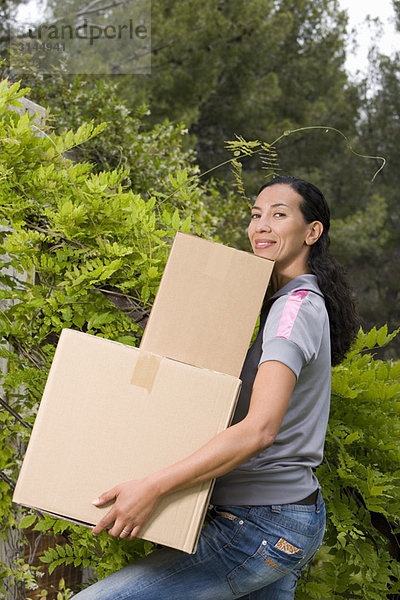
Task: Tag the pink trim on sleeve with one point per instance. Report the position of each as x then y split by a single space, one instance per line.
290 312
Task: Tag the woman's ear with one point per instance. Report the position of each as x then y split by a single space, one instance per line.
314 232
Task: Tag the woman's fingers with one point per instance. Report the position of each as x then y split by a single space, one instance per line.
123 530
126 532
129 532
106 522
115 526
106 497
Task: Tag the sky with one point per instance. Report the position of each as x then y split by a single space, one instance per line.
357 11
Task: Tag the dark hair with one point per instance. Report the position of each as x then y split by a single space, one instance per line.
331 276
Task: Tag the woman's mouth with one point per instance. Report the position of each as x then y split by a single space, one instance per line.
260 244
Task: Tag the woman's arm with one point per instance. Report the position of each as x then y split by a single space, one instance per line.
136 500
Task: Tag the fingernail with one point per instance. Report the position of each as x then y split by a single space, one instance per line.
96 501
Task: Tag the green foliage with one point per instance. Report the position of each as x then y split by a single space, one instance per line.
156 160
80 249
257 69
253 68
242 149
149 153
20 576
83 249
380 128
360 479
363 234
102 553
359 235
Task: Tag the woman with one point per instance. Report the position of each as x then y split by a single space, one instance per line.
268 517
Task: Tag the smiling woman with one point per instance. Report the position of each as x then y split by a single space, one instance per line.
267 517
279 232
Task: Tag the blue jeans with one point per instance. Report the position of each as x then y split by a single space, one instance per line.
248 552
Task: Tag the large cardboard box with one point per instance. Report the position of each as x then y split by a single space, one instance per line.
207 304
111 412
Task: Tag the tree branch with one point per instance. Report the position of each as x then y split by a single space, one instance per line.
128 306
89 9
14 414
4 477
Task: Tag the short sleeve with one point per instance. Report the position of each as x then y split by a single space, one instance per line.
293 330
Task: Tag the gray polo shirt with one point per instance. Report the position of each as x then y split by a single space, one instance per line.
294 330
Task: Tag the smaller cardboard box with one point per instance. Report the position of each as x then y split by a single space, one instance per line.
112 413
207 304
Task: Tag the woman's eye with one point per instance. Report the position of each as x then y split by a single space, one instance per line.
255 216
279 214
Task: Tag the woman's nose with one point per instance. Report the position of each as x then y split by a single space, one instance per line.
262 225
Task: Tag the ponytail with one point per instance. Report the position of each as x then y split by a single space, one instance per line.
333 283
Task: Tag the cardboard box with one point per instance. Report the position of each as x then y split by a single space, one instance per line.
111 413
207 304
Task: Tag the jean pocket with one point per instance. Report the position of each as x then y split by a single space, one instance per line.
223 526
270 562
225 514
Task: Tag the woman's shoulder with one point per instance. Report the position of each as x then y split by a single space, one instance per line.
297 314
303 295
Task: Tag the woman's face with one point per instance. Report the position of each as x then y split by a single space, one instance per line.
278 230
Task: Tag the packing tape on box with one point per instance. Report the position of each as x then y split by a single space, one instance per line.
146 370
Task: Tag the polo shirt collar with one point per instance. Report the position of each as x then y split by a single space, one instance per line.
302 282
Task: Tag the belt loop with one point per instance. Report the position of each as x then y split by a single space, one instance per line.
276 508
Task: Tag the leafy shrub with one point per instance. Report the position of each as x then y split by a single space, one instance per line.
75 244
360 478
81 249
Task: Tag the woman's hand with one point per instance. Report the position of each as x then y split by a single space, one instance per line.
134 502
